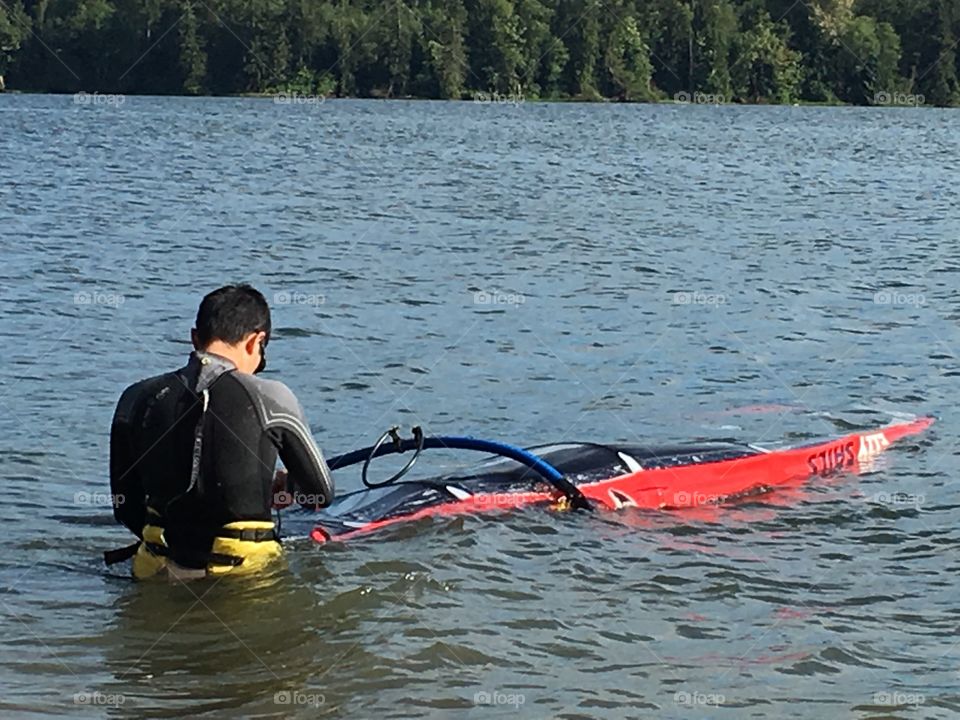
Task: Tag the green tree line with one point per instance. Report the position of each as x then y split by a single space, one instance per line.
778 51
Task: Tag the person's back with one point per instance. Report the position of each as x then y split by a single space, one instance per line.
193 452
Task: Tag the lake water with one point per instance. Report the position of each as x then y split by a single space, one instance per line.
529 273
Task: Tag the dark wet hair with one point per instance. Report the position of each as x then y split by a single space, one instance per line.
230 313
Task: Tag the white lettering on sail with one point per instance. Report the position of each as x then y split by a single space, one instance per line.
871 446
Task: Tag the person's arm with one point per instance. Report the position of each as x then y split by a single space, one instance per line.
126 487
285 421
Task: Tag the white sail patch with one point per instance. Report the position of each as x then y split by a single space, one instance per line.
621 500
872 445
631 462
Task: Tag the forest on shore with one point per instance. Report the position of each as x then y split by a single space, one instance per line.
864 52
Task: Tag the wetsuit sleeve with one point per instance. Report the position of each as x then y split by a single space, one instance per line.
287 425
126 485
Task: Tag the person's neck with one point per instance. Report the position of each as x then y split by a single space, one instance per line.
221 349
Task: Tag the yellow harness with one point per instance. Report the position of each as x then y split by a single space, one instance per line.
241 547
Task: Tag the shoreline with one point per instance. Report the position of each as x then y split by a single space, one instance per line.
294 98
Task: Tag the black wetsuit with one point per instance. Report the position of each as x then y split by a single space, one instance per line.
161 426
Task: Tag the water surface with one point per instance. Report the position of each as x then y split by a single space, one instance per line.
530 273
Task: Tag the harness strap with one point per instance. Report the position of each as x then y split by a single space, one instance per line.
249 535
199 558
112 557
198 444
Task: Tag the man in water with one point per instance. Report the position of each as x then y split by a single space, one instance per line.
193 453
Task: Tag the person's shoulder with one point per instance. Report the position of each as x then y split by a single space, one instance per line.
274 393
133 394
148 384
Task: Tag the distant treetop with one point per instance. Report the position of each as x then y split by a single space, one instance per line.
865 52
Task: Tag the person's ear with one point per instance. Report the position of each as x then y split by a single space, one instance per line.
193 339
250 344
